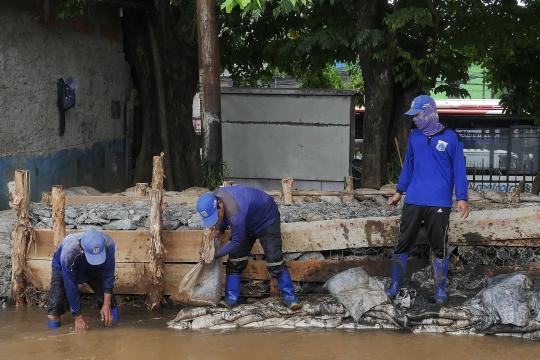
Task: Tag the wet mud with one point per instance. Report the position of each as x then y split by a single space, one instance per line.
144 335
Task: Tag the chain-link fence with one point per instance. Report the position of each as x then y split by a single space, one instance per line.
499 255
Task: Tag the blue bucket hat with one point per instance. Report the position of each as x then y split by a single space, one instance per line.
207 207
419 103
93 244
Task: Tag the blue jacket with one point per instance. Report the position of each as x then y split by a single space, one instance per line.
247 210
434 166
68 259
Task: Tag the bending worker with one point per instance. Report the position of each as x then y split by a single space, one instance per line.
251 214
86 257
434 166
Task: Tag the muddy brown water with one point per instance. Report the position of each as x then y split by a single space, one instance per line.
143 335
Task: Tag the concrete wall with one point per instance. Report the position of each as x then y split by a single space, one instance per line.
269 134
33 56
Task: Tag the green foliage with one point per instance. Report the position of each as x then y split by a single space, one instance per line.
330 78
326 78
512 60
72 8
214 174
257 45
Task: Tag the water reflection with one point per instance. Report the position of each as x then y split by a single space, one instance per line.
142 335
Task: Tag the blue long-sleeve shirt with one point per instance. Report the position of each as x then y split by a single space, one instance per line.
434 166
69 260
247 210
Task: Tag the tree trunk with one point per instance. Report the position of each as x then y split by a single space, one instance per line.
165 71
378 84
400 128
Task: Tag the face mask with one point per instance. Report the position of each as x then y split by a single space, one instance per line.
428 121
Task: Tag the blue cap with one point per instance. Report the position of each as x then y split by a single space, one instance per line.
207 206
419 103
93 244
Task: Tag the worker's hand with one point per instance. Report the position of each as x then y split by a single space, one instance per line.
216 234
393 202
81 324
106 315
463 209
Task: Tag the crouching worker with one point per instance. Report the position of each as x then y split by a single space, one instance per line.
251 214
86 257
433 169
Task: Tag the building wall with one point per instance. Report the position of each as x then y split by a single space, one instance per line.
33 56
270 134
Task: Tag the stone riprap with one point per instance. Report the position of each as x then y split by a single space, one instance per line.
6 227
179 216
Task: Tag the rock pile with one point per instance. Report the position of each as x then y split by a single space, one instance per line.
179 216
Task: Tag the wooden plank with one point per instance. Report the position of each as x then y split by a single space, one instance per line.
340 234
130 278
131 245
492 270
189 200
133 278
322 270
357 192
518 227
495 226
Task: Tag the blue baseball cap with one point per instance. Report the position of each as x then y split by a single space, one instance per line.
93 244
419 103
207 207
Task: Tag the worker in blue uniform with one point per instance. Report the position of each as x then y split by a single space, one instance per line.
251 214
86 257
434 167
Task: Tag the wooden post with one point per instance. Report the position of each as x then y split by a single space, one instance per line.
274 288
22 234
349 188
227 183
287 184
156 250
58 211
157 172
46 197
514 196
140 188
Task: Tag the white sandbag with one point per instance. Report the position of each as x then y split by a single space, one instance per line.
357 291
201 286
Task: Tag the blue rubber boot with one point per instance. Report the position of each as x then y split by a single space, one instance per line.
232 291
440 271
115 315
399 263
287 290
51 324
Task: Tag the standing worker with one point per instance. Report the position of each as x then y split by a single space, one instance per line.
251 214
434 166
86 257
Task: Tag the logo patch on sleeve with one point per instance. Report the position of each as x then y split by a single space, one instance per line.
441 145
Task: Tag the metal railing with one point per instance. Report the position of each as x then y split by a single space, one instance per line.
501 178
